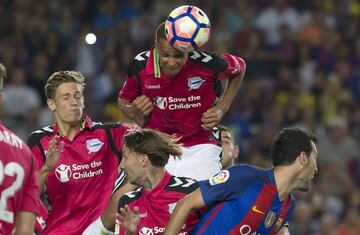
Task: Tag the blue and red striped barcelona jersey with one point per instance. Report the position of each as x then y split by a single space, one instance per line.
243 199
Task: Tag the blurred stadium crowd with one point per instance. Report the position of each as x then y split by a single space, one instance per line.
303 69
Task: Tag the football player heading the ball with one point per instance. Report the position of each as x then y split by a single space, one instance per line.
175 91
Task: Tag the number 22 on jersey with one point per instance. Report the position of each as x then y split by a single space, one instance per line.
10 169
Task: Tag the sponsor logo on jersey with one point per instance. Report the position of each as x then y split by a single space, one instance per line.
94 145
174 103
220 177
160 102
152 87
247 230
64 173
156 230
143 215
256 210
146 231
195 82
269 220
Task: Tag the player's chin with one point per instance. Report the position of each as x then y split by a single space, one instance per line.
172 72
305 187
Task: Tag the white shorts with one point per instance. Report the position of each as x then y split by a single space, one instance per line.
199 162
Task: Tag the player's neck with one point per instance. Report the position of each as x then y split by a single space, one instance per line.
154 177
68 129
284 178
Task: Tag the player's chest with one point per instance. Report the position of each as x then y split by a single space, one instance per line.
154 216
265 215
182 85
84 159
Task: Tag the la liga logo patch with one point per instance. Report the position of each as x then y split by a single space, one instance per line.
220 177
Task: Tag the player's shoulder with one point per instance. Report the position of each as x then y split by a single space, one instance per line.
247 173
9 140
209 60
126 127
182 185
129 197
138 64
36 136
107 125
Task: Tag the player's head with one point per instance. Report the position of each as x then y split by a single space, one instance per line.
2 78
296 148
64 93
171 60
145 151
230 150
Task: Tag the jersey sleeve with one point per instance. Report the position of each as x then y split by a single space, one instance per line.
31 199
39 157
129 198
119 131
132 86
130 89
235 66
226 185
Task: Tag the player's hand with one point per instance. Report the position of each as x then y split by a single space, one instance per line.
54 151
211 117
142 105
128 219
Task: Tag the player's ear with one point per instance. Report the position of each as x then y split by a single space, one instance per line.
144 160
303 158
51 105
236 151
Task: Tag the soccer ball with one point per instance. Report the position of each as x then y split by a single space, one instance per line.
187 28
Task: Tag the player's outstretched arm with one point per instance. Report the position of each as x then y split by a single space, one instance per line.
212 117
138 110
182 210
24 224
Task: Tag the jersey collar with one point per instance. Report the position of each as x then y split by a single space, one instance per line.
150 65
85 123
160 187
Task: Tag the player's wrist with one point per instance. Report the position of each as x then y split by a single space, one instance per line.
46 168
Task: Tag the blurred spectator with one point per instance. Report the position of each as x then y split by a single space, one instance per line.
338 146
274 16
21 103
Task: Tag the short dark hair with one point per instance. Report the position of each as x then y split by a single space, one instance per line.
60 77
2 76
160 32
156 145
226 129
289 143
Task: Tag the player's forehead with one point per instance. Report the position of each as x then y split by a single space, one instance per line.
314 149
164 47
126 149
225 134
68 88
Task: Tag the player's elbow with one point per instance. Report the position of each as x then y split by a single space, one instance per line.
121 103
